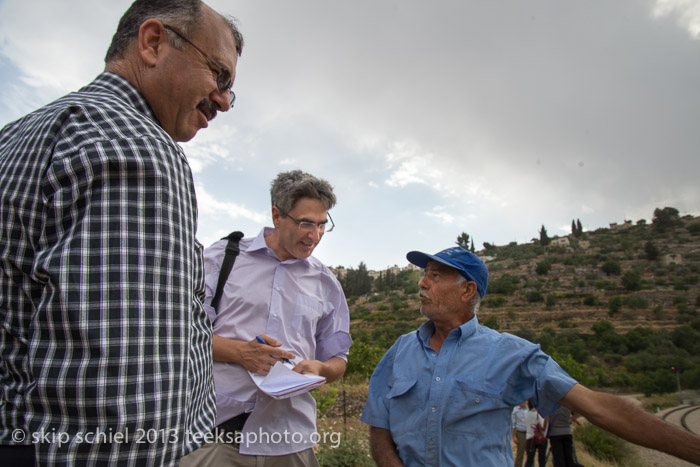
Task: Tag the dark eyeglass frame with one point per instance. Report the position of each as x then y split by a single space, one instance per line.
321 226
223 77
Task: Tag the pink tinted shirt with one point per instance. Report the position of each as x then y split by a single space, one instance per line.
298 302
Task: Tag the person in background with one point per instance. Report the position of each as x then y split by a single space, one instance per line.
278 292
444 394
105 348
561 437
519 432
533 419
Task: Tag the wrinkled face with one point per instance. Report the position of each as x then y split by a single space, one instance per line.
189 96
440 294
292 241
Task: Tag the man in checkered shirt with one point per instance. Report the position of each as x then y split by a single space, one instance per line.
105 349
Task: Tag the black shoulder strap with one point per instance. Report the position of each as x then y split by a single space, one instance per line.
226 265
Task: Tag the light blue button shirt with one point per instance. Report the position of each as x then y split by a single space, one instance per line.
298 302
453 408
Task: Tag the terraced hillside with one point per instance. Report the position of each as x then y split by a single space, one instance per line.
631 275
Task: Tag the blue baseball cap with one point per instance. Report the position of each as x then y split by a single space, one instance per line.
466 262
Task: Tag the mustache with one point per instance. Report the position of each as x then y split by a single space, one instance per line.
209 106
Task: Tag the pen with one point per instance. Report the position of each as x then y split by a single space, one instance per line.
260 339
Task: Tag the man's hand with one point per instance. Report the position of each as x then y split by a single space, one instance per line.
253 356
331 369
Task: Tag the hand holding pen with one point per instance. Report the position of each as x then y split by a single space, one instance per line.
268 353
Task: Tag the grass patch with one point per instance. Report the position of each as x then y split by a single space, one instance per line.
601 444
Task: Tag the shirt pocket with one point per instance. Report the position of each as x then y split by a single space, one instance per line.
307 312
476 411
405 406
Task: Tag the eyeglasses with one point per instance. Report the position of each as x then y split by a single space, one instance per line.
223 76
308 226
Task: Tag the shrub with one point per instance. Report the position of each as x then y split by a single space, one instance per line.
543 267
632 280
362 359
600 443
325 399
351 451
636 302
491 322
533 297
376 298
505 285
694 228
615 304
493 302
591 300
611 268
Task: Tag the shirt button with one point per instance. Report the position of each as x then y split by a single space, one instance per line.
433 409
437 379
434 354
477 400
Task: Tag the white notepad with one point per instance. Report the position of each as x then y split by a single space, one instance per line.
282 382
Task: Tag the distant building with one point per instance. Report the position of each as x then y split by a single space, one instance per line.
339 272
672 258
584 244
616 226
560 241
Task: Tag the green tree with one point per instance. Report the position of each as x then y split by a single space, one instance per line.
615 304
543 267
505 285
544 238
611 268
363 358
463 240
632 280
665 218
576 228
356 282
651 250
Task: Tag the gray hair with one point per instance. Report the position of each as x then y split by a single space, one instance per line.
290 187
186 15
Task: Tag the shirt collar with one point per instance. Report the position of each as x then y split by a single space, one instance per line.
259 244
463 332
123 89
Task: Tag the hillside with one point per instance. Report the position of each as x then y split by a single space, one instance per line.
616 307
631 275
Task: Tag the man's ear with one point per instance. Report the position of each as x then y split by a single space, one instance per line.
275 215
469 290
152 41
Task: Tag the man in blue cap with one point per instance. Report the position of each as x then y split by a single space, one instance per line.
443 395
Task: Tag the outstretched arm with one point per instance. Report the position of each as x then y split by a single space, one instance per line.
632 423
383 449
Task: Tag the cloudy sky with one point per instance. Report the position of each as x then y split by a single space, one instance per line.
430 118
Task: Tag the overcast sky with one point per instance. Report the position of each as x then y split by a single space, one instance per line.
430 118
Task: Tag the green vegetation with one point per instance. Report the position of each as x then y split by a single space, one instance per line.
557 296
601 444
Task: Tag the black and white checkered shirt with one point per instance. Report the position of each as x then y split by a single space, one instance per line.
105 349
